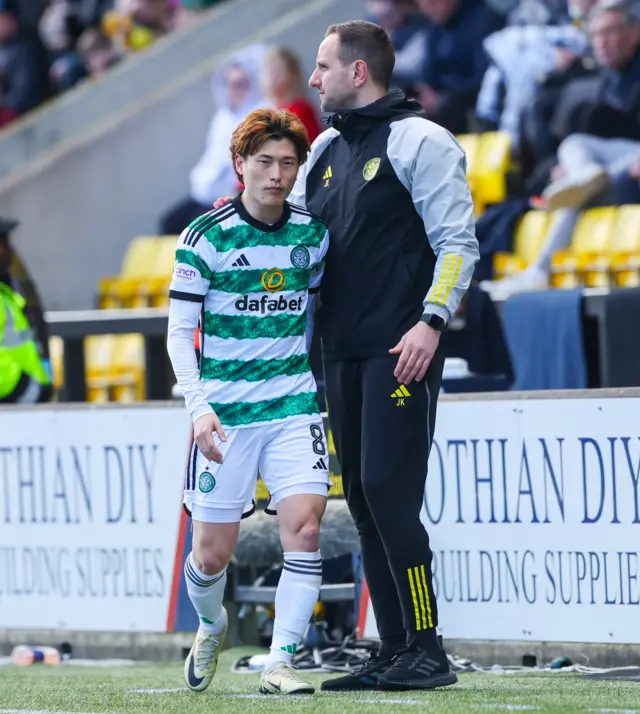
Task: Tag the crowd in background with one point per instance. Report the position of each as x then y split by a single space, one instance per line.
560 77
48 46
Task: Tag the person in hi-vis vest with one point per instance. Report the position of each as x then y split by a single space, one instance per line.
23 376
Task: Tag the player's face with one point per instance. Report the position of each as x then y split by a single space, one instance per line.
332 79
269 175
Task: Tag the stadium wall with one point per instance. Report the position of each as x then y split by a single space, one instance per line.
81 203
533 506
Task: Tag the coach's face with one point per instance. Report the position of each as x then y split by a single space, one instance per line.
333 80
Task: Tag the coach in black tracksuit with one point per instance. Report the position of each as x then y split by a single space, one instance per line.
392 189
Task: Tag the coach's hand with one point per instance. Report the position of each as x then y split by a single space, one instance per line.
203 434
220 202
416 350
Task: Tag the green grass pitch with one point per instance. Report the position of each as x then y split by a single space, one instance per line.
40 689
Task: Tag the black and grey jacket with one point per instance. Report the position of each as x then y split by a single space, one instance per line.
392 190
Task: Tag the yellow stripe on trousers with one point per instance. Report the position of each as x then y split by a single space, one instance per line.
421 597
415 600
427 597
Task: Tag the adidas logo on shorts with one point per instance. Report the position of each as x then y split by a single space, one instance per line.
321 465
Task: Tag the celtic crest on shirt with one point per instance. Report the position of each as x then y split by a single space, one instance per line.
300 257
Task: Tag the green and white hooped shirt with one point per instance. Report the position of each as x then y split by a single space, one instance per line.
248 285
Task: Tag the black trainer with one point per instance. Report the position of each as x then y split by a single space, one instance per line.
417 668
364 677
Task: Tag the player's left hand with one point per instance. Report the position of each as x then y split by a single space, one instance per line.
416 350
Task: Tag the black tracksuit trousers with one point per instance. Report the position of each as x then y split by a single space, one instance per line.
382 435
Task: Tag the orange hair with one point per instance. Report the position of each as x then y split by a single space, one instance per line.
263 124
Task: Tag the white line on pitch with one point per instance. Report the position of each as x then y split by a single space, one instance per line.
154 691
37 711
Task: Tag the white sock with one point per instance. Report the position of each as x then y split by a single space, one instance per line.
296 598
206 593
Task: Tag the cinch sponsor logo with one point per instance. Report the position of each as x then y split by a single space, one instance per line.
268 304
184 273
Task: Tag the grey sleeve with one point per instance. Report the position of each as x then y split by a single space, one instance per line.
431 165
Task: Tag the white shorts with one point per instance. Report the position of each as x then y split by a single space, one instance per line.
291 456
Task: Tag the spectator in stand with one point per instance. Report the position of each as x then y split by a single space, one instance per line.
236 92
285 86
587 165
136 24
23 63
28 12
591 171
608 103
455 59
60 27
408 30
97 52
536 12
7 115
525 58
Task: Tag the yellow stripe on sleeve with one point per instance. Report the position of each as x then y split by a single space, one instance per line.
435 290
452 282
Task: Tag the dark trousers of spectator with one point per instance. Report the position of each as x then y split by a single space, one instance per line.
180 216
454 109
626 189
606 122
383 436
540 129
537 140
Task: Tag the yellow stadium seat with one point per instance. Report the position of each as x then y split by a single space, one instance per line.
138 263
528 240
127 369
115 368
56 355
582 263
98 356
159 290
491 166
469 144
151 288
625 248
530 235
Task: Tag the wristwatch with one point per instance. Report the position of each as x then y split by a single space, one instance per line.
434 321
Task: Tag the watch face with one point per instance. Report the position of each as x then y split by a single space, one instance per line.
436 322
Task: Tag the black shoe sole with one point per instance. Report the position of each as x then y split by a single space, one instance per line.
432 682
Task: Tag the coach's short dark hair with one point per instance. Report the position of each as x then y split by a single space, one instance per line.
366 41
